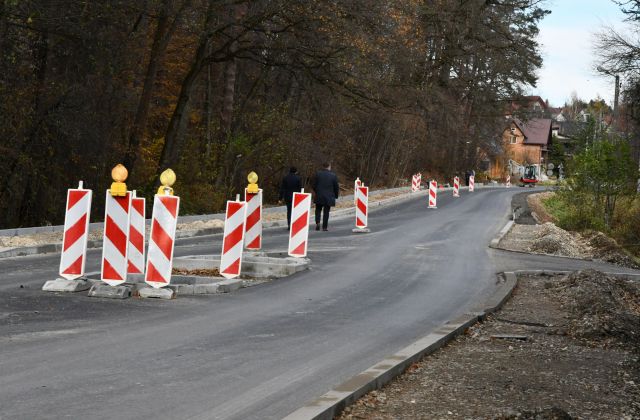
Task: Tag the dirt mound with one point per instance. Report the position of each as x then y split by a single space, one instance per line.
602 308
553 413
607 249
550 239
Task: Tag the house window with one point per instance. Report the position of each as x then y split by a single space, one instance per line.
512 139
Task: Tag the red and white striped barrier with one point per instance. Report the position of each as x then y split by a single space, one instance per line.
356 184
456 187
164 218
508 181
433 194
472 183
253 224
231 258
136 235
362 207
299 232
115 242
415 182
76 229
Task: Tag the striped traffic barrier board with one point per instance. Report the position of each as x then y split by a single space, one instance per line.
472 183
415 182
253 224
116 239
231 258
136 235
508 181
76 229
362 207
456 187
356 184
164 218
433 194
299 232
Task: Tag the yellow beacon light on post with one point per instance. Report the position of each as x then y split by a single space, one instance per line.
252 188
119 174
167 179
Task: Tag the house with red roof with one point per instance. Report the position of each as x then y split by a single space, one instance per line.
524 143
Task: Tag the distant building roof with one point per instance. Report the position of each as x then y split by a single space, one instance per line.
535 130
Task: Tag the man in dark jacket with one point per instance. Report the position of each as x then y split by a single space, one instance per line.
325 184
290 183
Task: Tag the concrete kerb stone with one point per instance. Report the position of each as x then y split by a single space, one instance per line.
254 265
333 402
180 285
495 242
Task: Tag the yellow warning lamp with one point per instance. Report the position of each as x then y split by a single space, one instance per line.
167 179
252 188
119 174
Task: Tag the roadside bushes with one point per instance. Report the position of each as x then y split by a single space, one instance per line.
600 193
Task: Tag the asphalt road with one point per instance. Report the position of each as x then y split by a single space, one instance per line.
263 351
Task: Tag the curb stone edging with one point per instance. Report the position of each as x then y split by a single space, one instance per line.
503 232
333 402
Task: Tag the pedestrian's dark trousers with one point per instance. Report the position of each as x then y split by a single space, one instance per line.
325 217
288 203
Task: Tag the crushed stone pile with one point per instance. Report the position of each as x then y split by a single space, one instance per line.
550 239
601 308
201 224
607 249
30 240
553 413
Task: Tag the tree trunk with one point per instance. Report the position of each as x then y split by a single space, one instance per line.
163 33
226 113
169 154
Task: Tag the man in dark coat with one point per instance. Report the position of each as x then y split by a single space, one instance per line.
325 184
290 183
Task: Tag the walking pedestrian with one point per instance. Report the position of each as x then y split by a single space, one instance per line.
290 183
325 185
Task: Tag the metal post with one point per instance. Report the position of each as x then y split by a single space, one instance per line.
615 100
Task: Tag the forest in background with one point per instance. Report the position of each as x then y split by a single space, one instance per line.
217 88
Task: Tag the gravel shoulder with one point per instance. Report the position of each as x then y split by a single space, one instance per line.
554 351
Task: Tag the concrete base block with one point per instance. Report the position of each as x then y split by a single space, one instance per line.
361 230
110 292
228 286
64 285
153 293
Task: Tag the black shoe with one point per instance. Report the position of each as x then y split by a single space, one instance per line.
325 230
317 226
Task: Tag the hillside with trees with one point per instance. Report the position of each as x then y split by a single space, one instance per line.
217 88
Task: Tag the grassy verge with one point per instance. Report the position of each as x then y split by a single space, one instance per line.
576 213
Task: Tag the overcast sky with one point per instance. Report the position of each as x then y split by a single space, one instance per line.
566 37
